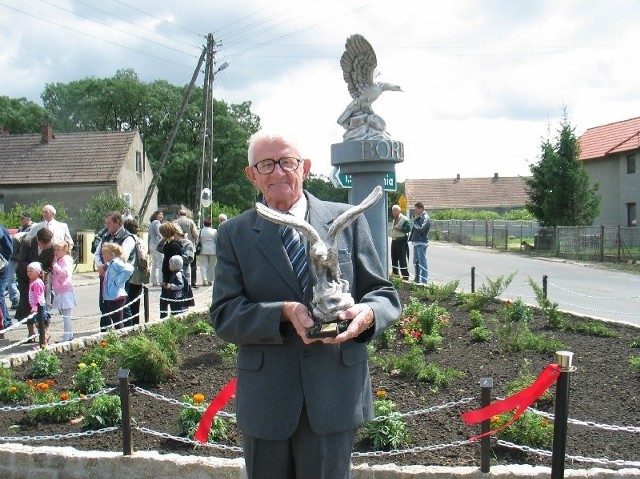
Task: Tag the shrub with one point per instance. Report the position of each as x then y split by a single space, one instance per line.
228 354
476 318
528 430
434 292
525 379
189 418
389 432
87 379
146 360
480 334
516 336
105 411
63 407
634 362
516 311
45 364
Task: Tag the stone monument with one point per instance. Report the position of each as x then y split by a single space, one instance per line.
367 152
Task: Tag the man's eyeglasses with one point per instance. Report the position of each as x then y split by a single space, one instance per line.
288 163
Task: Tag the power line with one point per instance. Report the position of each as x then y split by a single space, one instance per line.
138 25
116 29
92 36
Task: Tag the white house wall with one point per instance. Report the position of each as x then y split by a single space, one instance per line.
129 181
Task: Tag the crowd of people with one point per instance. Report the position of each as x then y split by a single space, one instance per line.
40 252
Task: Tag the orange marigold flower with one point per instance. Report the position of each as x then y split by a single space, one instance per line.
51 382
13 389
104 344
381 393
198 398
495 420
545 422
42 386
64 396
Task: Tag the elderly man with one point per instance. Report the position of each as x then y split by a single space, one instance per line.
115 233
299 400
190 229
59 229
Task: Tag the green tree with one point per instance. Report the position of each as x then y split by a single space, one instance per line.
321 187
560 192
19 116
93 215
123 101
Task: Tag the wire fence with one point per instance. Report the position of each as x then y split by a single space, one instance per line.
588 243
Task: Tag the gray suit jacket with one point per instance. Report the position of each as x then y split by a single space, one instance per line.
277 372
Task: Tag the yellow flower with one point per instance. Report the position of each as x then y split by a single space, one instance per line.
495 420
94 365
82 366
381 393
13 389
104 344
198 398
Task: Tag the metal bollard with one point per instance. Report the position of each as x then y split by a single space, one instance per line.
125 405
42 334
473 279
544 286
485 445
561 414
145 297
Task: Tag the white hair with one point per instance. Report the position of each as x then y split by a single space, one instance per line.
268 137
50 208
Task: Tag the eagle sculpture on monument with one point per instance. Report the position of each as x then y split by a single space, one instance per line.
359 64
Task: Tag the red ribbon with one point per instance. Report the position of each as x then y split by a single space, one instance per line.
223 397
519 401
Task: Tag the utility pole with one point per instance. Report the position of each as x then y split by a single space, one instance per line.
206 139
170 138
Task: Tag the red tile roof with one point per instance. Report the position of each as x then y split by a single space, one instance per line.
467 193
601 141
87 157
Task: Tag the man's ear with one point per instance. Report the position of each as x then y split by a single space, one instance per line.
251 175
306 165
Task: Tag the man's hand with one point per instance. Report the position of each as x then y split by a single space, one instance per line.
362 318
300 316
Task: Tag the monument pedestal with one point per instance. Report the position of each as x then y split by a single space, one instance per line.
367 161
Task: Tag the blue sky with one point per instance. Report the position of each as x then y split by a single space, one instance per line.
483 81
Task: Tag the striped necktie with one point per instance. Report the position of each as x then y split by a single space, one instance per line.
295 250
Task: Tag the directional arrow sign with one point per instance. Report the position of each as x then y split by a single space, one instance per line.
345 180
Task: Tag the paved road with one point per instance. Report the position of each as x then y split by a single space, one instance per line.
578 288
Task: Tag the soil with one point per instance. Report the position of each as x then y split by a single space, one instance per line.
603 389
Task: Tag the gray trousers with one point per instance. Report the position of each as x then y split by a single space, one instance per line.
305 455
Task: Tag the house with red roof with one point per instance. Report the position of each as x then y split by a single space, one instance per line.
496 193
71 169
610 154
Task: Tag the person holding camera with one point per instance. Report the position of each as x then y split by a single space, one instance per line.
420 238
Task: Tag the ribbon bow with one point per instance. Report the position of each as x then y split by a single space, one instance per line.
520 401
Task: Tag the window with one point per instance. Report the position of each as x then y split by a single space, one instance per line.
631 214
138 162
631 164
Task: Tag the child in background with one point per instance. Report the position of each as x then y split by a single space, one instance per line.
174 289
36 298
117 272
64 299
